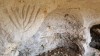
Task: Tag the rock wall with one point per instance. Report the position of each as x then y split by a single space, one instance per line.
48 27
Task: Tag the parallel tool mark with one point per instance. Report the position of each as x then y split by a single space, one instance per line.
30 18
23 14
16 17
27 11
34 19
11 19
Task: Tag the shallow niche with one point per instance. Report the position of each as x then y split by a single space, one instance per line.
95 34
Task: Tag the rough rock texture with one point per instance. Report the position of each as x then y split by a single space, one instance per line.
61 51
49 27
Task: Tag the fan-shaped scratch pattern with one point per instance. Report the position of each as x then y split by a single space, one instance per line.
23 17
10 17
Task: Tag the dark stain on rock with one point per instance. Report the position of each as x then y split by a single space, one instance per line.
20 53
62 51
21 1
95 34
66 15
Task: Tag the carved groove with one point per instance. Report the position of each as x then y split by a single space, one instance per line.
26 14
33 20
11 19
23 11
27 11
30 18
16 17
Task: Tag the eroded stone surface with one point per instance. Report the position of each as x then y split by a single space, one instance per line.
32 27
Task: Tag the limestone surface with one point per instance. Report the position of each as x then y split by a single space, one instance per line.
49 27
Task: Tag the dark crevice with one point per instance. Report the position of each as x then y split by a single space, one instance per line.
72 50
95 34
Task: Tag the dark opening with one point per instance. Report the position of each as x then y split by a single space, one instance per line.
95 34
